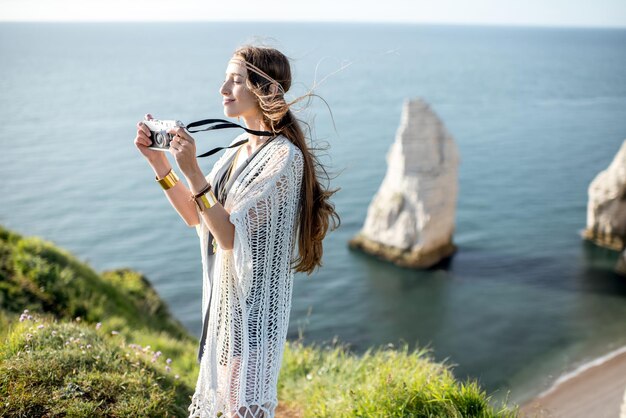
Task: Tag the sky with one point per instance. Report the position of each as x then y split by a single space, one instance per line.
586 13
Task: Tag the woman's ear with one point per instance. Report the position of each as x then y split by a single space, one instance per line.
274 89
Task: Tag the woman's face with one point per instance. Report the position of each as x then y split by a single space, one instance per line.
238 100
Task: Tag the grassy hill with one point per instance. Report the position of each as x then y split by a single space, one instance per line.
78 343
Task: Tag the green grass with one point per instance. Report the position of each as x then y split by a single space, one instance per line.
58 369
37 275
87 343
383 382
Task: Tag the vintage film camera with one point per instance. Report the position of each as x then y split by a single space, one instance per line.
159 138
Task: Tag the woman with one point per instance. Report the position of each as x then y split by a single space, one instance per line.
258 201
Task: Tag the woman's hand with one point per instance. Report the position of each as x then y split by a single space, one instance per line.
142 142
183 148
156 159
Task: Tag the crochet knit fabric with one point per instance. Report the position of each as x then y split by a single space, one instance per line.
247 290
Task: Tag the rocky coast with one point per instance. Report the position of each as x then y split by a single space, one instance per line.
410 220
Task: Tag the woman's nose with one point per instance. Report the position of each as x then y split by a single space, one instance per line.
224 90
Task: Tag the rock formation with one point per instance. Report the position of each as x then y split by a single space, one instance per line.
606 209
410 220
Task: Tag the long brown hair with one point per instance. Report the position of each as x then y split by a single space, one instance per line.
269 78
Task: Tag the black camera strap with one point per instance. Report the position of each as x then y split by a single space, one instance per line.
222 124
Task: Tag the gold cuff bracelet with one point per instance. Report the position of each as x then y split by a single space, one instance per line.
205 201
169 180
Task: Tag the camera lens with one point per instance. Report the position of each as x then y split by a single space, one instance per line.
159 139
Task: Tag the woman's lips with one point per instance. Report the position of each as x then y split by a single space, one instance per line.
226 102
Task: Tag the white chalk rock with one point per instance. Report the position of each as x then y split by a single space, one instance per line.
606 208
410 220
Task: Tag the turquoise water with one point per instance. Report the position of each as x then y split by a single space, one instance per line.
536 113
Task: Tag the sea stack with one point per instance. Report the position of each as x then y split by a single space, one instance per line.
410 220
606 209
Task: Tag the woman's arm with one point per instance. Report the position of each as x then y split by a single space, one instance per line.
178 195
183 148
216 217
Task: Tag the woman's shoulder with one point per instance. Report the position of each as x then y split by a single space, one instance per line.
284 147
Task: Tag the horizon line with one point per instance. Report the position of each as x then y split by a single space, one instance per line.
350 22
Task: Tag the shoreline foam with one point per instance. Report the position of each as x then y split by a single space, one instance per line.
596 388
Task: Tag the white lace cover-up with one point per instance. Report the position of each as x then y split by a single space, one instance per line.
248 289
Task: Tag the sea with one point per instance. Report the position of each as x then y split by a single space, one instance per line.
536 112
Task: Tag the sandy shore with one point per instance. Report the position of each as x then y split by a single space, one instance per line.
596 390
